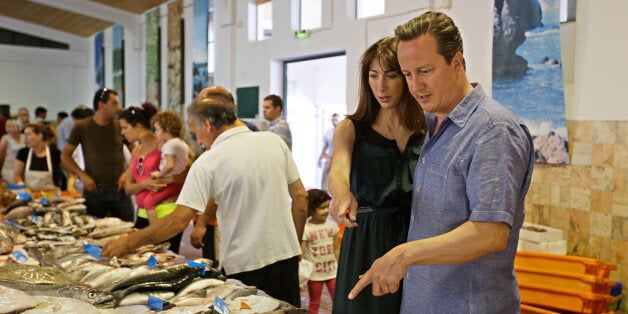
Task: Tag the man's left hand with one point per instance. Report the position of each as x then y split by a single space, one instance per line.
385 274
116 247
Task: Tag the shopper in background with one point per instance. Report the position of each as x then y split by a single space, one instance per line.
23 117
324 160
103 150
469 188
146 157
10 144
273 112
320 246
38 165
375 151
40 115
259 228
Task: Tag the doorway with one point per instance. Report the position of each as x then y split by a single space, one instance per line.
315 90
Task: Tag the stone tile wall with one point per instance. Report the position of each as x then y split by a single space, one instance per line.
589 198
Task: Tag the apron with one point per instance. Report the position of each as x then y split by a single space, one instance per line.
39 180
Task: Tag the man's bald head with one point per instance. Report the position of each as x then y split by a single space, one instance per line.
215 92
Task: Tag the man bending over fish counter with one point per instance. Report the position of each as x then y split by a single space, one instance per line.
259 230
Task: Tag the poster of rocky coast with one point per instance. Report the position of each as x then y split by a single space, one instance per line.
527 72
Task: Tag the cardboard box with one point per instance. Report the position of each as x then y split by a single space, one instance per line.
539 233
553 247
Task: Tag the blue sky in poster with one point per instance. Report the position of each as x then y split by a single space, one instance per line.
538 97
99 66
199 47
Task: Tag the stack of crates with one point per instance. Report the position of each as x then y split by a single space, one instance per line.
550 282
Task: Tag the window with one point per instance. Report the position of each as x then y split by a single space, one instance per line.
264 15
367 8
310 14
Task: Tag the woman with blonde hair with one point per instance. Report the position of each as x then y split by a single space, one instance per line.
10 144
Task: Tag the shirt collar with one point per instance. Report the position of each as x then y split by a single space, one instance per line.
229 133
276 120
460 115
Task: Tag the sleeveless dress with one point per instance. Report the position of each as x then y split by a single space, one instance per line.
9 161
381 181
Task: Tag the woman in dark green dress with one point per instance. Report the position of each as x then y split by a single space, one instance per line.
375 151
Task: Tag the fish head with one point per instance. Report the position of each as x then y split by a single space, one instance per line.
100 299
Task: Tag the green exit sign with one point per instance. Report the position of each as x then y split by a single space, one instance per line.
302 33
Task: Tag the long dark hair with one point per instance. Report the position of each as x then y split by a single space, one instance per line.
410 112
136 115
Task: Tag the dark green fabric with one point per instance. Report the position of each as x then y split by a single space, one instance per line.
381 176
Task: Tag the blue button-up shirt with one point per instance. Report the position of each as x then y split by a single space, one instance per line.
476 167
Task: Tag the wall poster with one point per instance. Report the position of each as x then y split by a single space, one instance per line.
99 62
153 58
528 74
118 62
199 46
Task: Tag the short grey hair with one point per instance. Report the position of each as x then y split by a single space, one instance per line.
219 112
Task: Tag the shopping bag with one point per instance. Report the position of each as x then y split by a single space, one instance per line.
305 270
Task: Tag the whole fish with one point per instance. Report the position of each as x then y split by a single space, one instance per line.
6 243
59 305
172 285
163 274
141 298
95 297
197 285
15 301
34 274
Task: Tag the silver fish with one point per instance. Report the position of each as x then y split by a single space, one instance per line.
15 301
196 285
89 295
141 298
60 305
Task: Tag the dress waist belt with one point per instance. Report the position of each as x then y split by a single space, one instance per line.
370 209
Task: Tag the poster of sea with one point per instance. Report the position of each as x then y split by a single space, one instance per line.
99 65
528 74
118 62
199 46
153 61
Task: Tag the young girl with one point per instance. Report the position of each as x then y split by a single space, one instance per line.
320 246
174 157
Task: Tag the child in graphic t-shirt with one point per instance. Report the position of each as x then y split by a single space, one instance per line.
174 158
320 246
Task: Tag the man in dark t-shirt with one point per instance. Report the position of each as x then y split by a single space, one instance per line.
103 151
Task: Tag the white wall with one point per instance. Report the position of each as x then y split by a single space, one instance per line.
59 80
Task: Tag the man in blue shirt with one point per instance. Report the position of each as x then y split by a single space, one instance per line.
273 112
469 186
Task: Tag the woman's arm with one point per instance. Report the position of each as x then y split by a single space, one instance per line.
3 149
18 171
342 198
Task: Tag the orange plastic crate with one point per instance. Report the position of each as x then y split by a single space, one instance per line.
570 264
529 309
564 280
562 299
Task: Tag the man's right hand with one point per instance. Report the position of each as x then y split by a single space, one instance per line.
88 183
197 234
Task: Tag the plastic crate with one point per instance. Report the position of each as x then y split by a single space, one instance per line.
563 299
564 280
529 309
570 264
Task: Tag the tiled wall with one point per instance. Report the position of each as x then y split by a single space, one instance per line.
589 198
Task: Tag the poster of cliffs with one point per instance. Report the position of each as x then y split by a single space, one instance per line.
527 72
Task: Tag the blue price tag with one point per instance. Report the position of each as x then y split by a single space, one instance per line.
201 265
19 257
152 262
155 303
93 250
44 201
23 196
37 220
14 224
221 306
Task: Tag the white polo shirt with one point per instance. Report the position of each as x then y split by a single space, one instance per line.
248 174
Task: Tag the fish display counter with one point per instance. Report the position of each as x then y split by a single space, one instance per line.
50 262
